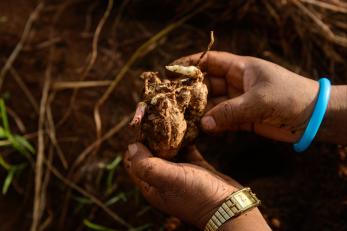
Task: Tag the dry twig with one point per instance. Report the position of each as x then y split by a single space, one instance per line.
38 209
92 58
325 29
119 15
39 193
207 49
16 119
63 85
32 18
25 89
95 42
88 19
45 183
52 133
340 7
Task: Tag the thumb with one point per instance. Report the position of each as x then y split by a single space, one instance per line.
154 171
193 156
238 113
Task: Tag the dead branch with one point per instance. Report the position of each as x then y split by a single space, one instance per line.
48 43
45 183
16 119
341 7
119 16
96 37
207 49
38 209
25 89
325 29
88 19
63 85
52 133
92 58
38 197
48 220
32 18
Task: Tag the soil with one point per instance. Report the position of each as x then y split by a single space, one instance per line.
299 191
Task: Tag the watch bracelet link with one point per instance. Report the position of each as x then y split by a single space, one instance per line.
234 205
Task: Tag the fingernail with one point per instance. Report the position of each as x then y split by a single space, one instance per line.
132 148
208 122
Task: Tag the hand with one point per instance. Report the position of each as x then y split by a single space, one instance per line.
187 191
251 94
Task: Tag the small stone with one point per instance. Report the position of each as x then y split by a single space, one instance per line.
275 223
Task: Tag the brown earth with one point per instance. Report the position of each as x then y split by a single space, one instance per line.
299 191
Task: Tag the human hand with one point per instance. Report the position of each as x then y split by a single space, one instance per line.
251 94
191 192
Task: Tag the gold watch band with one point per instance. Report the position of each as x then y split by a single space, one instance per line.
235 204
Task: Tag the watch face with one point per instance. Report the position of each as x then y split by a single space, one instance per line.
243 200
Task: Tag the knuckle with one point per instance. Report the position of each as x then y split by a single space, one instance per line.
175 185
146 168
248 62
261 97
228 113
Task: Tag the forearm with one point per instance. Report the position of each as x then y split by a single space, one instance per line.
250 221
334 126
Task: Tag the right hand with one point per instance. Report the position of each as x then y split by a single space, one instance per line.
251 94
191 191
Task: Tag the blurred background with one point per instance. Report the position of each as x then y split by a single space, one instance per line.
69 84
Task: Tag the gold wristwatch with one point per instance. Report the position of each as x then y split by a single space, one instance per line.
234 205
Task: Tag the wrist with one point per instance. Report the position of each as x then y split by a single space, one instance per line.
213 207
338 101
250 221
241 201
334 126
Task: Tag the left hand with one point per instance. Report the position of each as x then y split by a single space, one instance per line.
187 191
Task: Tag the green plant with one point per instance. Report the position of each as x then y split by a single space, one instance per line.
111 168
94 226
19 143
97 227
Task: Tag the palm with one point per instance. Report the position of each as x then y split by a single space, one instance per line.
187 191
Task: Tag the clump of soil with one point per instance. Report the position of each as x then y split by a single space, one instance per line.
170 112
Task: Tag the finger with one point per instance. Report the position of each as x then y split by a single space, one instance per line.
193 156
218 64
216 86
234 91
127 164
219 87
231 114
154 171
212 102
148 191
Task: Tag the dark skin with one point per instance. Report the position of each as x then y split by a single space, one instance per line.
248 94
191 191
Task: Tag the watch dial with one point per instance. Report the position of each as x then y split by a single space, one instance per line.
243 200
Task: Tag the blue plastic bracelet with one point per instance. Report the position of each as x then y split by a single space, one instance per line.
317 116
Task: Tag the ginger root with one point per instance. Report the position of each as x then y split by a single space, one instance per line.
170 112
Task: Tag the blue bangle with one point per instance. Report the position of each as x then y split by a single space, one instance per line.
317 116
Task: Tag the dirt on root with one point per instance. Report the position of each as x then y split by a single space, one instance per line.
169 114
299 192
